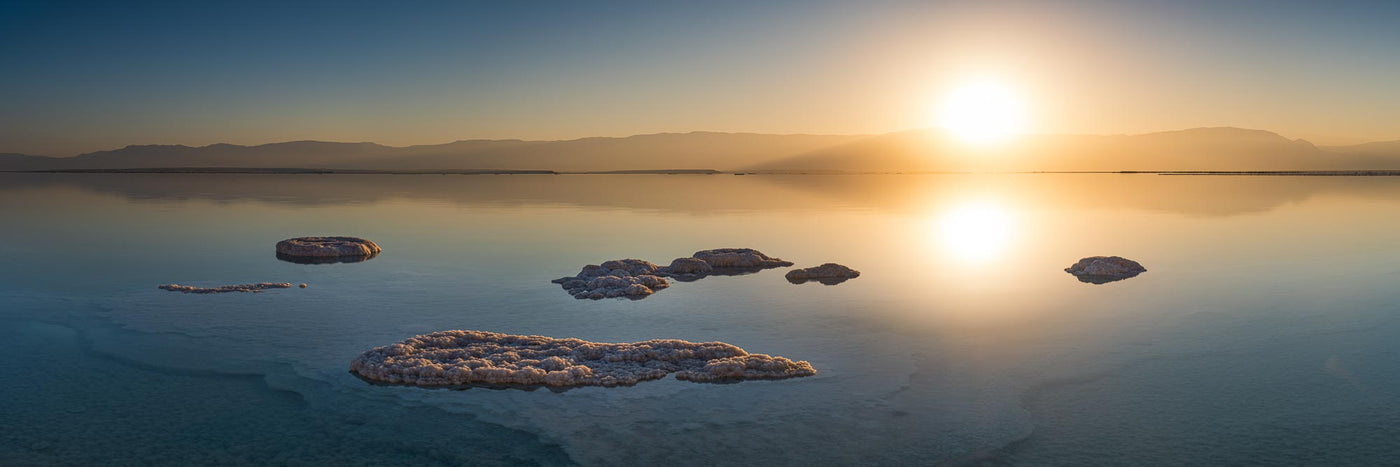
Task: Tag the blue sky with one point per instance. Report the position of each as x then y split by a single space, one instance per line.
85 76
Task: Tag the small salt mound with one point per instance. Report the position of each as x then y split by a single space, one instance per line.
1105 269
227 288
630 278
739 258
828 274
688 266
468 358
327 247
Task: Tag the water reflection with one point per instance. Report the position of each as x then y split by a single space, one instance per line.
924 359
325 259
822 280
706 194
976 231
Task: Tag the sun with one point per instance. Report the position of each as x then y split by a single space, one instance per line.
983 112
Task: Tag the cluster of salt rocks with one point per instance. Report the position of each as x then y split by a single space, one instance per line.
480 358
636 279
254 288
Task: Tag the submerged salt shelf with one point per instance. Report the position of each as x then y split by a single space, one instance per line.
637 279
463 358
254 288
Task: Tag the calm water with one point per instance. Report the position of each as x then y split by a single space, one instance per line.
1266 330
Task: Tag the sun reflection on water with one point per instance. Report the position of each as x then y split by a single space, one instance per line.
975 231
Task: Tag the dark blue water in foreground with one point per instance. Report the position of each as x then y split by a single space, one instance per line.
1266 329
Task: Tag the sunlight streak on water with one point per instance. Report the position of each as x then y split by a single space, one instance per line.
976 231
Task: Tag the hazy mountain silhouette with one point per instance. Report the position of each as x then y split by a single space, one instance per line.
1213 149
9 161
1207 149
699 150
291 154
1380 149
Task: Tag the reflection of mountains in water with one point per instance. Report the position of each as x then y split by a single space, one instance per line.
325 259
1212 195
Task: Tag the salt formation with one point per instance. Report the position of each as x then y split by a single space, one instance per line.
1104 269
687 269
326 249
739 258
828 274
720 262
255 288
631 278
479 358
637 279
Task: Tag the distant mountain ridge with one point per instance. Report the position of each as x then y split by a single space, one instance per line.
926 150
698 150
1205 149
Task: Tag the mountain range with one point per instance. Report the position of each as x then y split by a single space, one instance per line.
925 150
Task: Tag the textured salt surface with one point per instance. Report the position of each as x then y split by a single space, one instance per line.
327 247
631 278
464 358
739 258
1105 269
255 288
637 279
827 274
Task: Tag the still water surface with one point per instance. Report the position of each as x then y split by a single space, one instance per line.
1266 329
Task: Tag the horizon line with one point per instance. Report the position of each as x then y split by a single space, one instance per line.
692 132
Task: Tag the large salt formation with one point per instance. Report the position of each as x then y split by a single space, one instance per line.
255 288
313 250
637 279
826 274
1105 269
479 358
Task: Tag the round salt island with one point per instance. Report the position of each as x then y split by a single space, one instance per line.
1104 269
826 274
326 249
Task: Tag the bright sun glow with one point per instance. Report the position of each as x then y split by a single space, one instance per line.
975 231
983 112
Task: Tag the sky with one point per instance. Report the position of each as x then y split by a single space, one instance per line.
78 77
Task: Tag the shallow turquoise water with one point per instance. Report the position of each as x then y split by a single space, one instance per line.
1264 331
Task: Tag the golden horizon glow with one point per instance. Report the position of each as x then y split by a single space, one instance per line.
983 112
